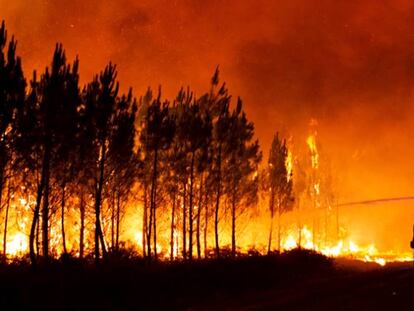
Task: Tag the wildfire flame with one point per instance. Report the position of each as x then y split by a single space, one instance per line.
348 249
307 237
311 142
289 165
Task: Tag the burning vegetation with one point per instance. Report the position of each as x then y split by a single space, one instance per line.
87 171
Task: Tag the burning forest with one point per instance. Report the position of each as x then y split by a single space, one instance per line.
87 170
189 183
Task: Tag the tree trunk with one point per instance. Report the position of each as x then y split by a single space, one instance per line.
6 220
45 217
271 207
191 207
216 216
145 245
38 237
205 226
172 229
33 232
233 226
200 202
279 229
99 239
185 221
82 225
113 221
63 220
269 246
152 225
118 219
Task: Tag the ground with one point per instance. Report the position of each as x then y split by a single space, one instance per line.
346 288
298 280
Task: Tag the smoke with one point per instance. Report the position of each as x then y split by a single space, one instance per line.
349 64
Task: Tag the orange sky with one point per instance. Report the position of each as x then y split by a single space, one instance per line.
349 64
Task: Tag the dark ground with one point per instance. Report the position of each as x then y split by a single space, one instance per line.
297 280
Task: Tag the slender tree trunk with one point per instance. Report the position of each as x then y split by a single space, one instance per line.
63 220
272 207
154 234
99 239
279 229
152 220
113 221
6 221
205 226
118 219
200 203
185 221
34 229
37 237
149 235
269 245
216 216
233 226
82 225
144 224
191 209
45 217
172 229
97 223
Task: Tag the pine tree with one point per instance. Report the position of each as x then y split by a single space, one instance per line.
217 102
241 177
279 185
122 160
12 96
43 123
100 100
194 135
156 137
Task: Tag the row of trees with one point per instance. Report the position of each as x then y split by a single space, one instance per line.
89 148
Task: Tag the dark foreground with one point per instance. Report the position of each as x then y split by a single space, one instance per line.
295 281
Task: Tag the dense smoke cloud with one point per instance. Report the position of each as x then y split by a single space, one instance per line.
349 64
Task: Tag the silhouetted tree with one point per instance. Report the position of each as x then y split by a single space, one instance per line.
279 184
122 159
41 128
145 166
218 103
100 99
194 134
12 96
156 137
241 177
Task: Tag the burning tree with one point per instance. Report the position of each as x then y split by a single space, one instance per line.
194 134
123 162
279 185
43 125
156 137
218 103
12 96
243 158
